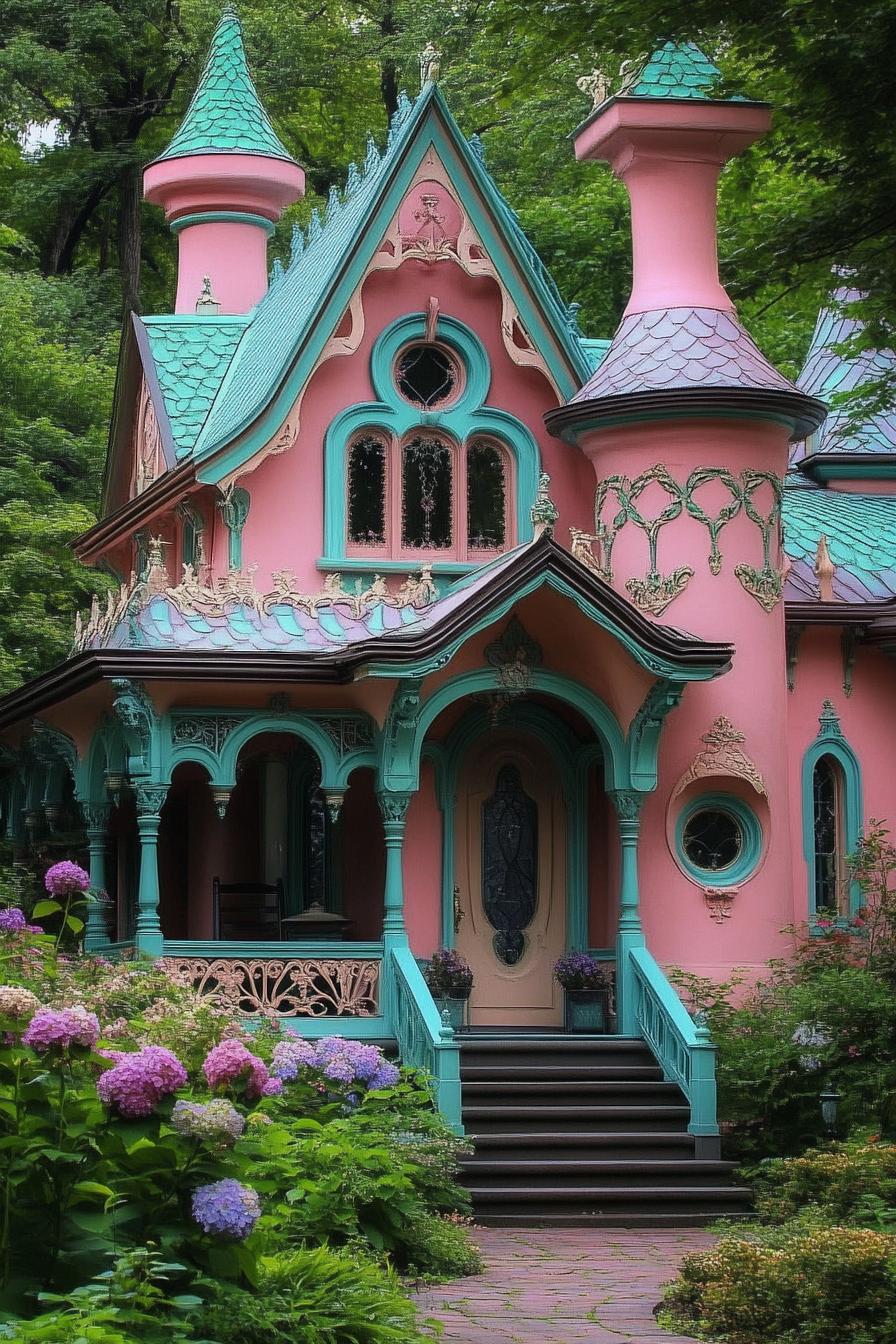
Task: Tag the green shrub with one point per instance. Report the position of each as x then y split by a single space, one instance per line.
440 1247
815 1285
846 1183
318 1296
359 1178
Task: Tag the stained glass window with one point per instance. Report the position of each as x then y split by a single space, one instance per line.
485 496
509 864
426 375
367 492
712 839
826 831
426 480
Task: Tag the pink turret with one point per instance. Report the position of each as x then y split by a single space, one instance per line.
223 182
687 426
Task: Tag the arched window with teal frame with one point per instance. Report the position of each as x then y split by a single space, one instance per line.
832 818
386 463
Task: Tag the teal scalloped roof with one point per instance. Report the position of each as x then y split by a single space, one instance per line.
676 70
191 357
861 535
225 115
284 317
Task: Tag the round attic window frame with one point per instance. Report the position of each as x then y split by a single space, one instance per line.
747 858
453 372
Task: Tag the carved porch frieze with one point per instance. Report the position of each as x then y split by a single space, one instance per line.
284 987
722 754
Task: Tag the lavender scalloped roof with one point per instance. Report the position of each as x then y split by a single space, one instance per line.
827 372
160 624
680 348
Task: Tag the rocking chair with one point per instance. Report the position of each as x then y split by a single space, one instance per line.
247 910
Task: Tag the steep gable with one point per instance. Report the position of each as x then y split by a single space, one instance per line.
305 303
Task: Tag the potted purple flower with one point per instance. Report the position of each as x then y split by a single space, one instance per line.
586 985
450 982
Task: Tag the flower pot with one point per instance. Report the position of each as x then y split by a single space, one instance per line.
587 1010
456 1010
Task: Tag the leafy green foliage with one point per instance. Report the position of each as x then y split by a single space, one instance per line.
834 1182
318 1296
803 1284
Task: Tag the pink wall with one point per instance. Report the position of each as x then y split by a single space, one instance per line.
422 868
285 525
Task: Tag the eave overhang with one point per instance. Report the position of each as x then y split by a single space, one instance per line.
167 490
849 466
663 649
799 413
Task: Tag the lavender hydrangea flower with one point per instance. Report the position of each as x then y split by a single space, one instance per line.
217 1121
65 878
13 920
137 1082
226 1209
290 1057
62 1028
387 1075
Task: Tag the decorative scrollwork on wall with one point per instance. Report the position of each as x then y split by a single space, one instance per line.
656 590
204 731
722 754
282 987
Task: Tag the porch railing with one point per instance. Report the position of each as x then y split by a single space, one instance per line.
683 1048
424 1041
316 982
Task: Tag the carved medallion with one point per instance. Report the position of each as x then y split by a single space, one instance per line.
722 754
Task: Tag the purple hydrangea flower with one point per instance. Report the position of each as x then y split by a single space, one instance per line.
226 1209
138 1081
218 1121
13 920
65 878
61 1028
290 1057
387 1075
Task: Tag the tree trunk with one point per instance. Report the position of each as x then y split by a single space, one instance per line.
388 71
129 190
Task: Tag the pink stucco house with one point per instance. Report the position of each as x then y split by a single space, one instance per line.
441 624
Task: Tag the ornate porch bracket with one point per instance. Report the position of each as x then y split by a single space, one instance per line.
646 726
793 635
136 713
850 638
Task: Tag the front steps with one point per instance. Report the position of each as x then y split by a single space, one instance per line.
574 1131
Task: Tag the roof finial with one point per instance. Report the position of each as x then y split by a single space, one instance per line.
207 303
596 86
544 511
430 64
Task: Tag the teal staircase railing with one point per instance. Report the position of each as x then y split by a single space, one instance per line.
424 1041
683 1047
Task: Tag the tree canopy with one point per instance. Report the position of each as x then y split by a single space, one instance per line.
91 90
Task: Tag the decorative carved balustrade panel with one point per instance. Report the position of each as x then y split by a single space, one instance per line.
308 987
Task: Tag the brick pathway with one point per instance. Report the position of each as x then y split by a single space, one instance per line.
567 1286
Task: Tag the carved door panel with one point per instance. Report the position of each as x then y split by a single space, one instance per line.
510 862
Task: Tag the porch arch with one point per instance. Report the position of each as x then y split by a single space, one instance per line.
223 773
405 734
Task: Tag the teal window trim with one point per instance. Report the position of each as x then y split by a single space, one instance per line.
835 746
748 859
465 417
235 511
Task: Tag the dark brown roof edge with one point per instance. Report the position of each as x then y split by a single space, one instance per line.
806 413
141 508
839 613
542 556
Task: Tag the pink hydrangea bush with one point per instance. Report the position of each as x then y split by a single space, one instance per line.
232 1063
137 1082
62 1029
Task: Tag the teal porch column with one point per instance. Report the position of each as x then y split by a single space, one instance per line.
629 933
96 934
394 808
150 800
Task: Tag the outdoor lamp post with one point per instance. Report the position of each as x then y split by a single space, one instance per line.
829 1102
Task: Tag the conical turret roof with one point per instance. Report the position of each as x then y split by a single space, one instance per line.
225 115
675 70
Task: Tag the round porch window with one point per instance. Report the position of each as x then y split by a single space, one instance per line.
712 839
427 375
718 840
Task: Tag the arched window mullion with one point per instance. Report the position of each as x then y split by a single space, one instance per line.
485 496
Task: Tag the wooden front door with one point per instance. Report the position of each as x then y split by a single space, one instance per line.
510 862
